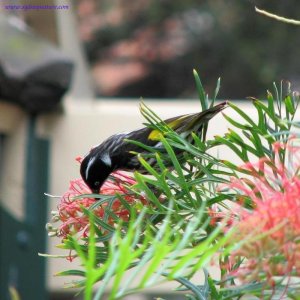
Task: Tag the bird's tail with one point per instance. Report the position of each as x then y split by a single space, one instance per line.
194 122
184 124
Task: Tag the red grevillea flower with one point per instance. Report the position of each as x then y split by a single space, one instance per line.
270 233
70 209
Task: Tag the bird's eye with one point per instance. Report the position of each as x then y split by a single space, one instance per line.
97 183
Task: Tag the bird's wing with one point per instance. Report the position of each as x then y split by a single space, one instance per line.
122 152
188 123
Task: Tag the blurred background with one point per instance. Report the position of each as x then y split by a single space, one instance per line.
150 47
72 74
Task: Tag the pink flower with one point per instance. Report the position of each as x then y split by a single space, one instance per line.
270 233
70 209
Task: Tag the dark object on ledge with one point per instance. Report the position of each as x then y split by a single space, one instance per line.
33 73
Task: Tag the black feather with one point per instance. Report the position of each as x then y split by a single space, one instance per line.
118 153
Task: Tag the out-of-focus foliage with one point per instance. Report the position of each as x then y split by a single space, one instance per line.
147 48
204 211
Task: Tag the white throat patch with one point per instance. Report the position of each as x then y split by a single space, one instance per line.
91 161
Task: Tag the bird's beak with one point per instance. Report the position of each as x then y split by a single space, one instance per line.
96 192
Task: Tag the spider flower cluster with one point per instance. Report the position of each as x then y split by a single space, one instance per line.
269 234
71 209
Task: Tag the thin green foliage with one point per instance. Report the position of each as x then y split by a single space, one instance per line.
273 123
158 254
171 236
152 242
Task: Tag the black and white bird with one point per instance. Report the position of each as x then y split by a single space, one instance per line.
117 153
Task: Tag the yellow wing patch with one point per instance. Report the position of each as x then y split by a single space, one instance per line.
156 135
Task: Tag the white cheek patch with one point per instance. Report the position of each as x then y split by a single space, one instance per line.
106 159
91 161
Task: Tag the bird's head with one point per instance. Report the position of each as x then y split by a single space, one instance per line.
95 169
